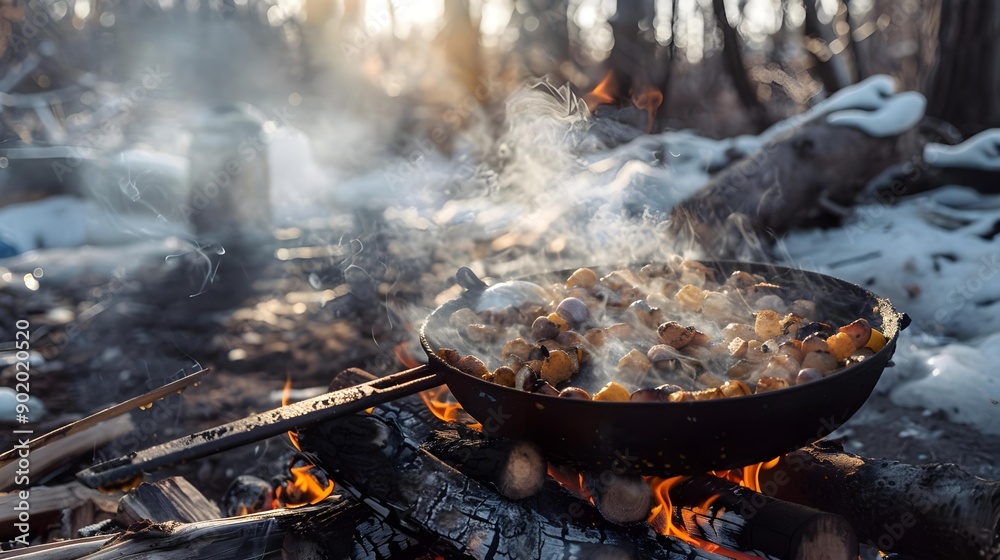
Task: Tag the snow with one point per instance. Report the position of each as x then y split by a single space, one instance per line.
899 114
982 151
957 380
928 255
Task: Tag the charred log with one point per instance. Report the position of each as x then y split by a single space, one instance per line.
621 498
736 517
927 511
515 468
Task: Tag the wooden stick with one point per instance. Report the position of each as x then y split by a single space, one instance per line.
44 460
106 414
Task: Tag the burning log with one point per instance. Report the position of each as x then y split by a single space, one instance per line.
736 517
927 511
376 457
515 468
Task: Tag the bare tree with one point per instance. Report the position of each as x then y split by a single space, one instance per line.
732 58
963 88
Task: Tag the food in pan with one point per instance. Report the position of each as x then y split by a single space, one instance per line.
670 332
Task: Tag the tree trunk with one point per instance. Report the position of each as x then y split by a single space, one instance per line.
819 37
732 58
963 88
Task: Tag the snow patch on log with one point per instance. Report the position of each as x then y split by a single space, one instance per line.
982 151
899 114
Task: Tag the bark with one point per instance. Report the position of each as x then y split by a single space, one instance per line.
927 511
807 176
857 52
962 87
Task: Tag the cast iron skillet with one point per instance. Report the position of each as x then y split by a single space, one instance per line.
641 437
684 437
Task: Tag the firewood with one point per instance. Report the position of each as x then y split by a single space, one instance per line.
171 499
515 468
329 525
621 498
738 518
369 456
377 456
926 511
46 499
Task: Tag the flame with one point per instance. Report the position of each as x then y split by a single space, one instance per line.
602 94
570 480
443 405
648 99
661 518
305 487
285 397
748 476
439 399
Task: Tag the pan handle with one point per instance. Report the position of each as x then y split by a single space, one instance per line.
128 469
468 280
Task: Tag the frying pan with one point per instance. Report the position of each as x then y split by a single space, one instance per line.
630 437
684 437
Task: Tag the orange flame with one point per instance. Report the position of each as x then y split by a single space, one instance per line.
304 488
443 405
439 399
570 480
285 397
661 518
649 99
602 94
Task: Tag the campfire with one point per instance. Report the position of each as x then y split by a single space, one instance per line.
542 280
